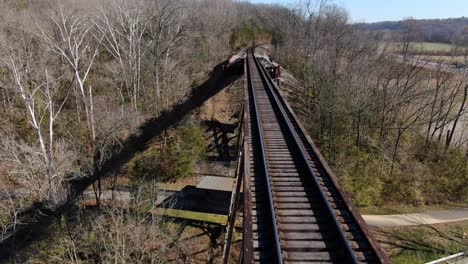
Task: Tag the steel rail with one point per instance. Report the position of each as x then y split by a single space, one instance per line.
344 241
312 151
279 257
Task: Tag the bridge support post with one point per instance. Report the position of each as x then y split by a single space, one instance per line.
235 194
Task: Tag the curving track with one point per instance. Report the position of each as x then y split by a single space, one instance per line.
294 211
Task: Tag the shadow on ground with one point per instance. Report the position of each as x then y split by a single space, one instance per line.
226 152
425 239
191 198
37 218
205 254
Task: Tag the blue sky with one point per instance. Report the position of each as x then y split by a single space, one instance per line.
383 10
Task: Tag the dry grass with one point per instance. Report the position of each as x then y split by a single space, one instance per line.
422 46
447 59
419 244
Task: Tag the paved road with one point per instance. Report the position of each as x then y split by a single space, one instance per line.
419 60
427 218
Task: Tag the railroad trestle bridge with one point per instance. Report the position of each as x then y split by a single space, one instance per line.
294 210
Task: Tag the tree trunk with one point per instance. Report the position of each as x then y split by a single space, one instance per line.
457 118
358 130
395 150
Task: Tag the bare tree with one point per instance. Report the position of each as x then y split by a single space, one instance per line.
123 26
75 42
167 31
41 101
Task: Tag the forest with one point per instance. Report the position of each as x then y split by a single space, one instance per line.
80 79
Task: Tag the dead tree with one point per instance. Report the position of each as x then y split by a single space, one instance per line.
123 26
77 44
40 102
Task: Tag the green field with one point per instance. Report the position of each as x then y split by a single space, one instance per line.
428 46
424 47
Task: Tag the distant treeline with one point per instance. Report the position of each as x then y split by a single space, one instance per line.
452 30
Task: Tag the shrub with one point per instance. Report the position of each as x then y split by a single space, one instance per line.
402 188
450 175
249 33
173 161
360 178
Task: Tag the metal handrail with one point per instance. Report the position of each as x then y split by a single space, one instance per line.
235 192
448 258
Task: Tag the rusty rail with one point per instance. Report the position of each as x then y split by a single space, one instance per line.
294 210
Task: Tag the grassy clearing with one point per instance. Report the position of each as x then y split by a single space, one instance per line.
423 243
447 59
428 48
409 209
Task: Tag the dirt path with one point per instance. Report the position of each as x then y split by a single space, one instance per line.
427 218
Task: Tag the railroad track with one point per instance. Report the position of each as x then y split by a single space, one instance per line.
294 211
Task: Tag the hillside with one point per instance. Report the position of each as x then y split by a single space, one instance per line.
121 121
451 30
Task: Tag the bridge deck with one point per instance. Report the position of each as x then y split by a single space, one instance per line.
294 210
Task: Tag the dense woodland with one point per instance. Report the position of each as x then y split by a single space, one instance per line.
78 77
387 126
